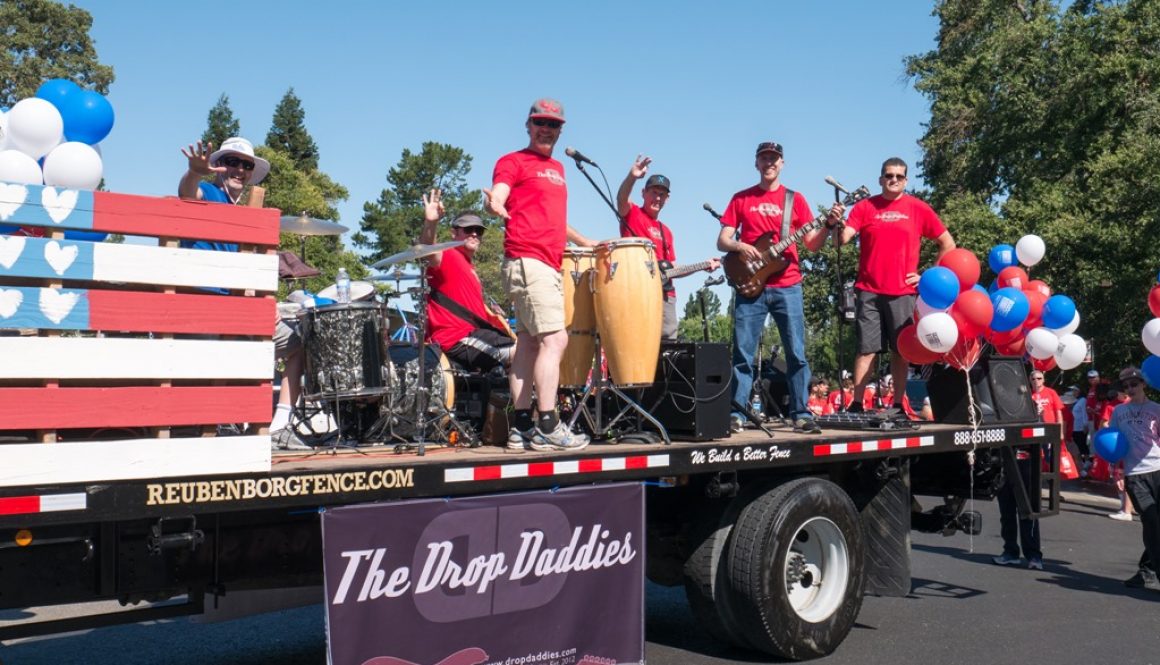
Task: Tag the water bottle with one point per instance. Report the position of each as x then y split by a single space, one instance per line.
342 286
756 405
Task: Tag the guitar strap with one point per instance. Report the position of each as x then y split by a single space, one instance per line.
448 303
786 214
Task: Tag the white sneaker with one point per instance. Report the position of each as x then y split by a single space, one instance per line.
518 440
560 438
1121 516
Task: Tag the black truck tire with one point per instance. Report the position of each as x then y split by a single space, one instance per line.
706 581
795 569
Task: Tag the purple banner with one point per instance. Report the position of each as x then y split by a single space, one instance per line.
538 578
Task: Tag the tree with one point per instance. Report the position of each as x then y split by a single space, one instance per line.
221 123
288 133
45 40
690 327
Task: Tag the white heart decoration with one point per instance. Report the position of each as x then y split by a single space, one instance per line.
55 306
58 206
59 258
10 302
11 247
11 198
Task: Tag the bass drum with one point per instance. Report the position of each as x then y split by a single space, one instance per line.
404 389
579 316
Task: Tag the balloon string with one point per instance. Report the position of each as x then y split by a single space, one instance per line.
971 453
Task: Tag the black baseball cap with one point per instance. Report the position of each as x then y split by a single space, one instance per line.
769 146
658 180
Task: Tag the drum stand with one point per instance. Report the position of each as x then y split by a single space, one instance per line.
596 388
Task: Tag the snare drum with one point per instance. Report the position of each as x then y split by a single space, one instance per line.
579 316
628 303
404 389
345 350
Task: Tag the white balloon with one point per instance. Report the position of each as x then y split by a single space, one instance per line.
15 166
1069 328
34 127
1041 343
74 165
3 130
1151 336
937 332
923 309
1030 250
1070 352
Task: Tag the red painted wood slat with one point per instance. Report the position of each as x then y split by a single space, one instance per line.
134 311
172 217
138 406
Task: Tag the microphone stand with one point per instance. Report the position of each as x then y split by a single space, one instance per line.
840 291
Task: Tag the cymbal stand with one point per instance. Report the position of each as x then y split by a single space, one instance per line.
596 388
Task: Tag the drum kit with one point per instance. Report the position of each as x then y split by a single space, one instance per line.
376 390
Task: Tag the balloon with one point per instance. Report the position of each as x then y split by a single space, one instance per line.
1035 303
1154 300
910 348
976 308
15 166
34 127
1069 328
964 264
73 165
1150 368
1000 257
1041 343
1058 311
993 287
1038 285
1013 276
937 332
1071 351
965 353
57 91
88 117
1150 335
1043 364
1011 309
1110 444
1013 348
3 131
982 290
1030 250
90 236
938 287
1005 337
921 309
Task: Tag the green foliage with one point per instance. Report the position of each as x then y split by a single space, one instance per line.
45 40
288 133
221 123
690 328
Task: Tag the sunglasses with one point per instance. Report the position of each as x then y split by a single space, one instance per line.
893 176
1037 378
1133 384
236 162
545 122
469 230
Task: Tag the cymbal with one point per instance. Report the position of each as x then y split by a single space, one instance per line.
308 226
394 277
416 252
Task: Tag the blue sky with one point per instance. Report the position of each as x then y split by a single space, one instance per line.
694 85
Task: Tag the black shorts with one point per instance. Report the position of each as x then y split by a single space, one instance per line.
880 317
482 350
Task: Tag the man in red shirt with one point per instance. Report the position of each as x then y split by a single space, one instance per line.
891 226
643 222
458 320
1046 400
1093 404
841 398
818 403
752 212
528 191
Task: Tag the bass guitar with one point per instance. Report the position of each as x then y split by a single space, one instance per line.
669 272
749 277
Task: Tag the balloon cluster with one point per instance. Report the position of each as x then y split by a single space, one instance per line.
1150 335
52 138
954 315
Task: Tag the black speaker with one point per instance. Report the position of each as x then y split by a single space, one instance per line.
999 387
693 392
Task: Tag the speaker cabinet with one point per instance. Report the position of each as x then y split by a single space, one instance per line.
692 393
999 388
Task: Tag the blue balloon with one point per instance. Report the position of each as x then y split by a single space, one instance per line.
1000 257
1110 444
980 289
938 287
1058 311
88 117
1011 309
993 287
90 236
1151 371
58 91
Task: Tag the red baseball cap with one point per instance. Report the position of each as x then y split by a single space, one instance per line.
547 108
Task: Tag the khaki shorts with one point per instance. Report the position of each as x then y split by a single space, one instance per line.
537 291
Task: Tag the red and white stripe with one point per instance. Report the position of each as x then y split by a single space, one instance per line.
828 449
553 468
44 503
1033 432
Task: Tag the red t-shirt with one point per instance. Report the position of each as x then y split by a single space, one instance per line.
756 212
819 406
888 403
1093 406
835 399
1047 401
538 205
455 277
890 233
1107 407
637 224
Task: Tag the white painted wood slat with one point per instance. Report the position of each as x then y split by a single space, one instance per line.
119 358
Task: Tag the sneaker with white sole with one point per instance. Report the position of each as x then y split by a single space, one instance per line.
1121 516
518 440
1005 559
1035 563
736 423
286 439
560 438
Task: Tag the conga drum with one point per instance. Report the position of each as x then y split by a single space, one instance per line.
628 301
579 316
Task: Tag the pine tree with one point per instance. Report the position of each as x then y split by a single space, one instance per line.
221 123
288 133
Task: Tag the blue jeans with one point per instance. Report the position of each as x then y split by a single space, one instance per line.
785 305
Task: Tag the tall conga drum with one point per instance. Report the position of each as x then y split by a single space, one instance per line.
628 299
579 316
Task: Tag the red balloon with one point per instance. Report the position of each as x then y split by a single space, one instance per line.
964 264
965 353
1015 347
1038 285
1043 365
1035 300
1154 300
913 350
975 307
1013 276
1005 337
967 328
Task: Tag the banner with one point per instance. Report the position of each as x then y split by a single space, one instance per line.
537 578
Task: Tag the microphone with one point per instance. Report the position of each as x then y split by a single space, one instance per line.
714 281
578 156
834 183
709 209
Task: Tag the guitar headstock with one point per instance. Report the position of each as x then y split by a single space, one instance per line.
856 196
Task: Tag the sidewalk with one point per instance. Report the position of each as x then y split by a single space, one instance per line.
1090 493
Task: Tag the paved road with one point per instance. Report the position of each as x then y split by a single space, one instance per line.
963 610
